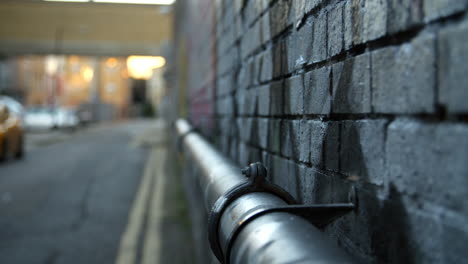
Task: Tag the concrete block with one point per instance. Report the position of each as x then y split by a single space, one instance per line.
303 51
279 15
317 98
262 128
429 161
319 42
403 15
279 171
291 138
375 19
293 95
453 69
331 146
434 9
234 150
318 132
351 85
362 151
245 126
225 106
353 23
265 32
292 185
276 98
304 141
279 59
243 154
263 100
246 101
411 69
274 136
335 30
266 69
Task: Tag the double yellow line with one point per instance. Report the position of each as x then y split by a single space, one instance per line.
150 196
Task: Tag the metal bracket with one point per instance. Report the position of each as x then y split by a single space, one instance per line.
320 215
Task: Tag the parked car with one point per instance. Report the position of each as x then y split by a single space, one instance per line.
40 118
11 133
66 118
14 106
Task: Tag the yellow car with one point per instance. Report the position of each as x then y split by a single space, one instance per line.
11 134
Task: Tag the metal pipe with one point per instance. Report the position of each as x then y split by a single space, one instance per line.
274 237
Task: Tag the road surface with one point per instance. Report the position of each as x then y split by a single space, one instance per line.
69 201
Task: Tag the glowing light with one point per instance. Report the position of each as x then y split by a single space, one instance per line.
67 1
87 73
141 67
143 2
51 65
111 62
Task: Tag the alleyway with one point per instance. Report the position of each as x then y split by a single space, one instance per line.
89 197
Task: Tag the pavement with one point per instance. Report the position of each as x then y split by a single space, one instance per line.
105 194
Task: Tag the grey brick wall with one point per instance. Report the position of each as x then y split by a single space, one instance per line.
332 94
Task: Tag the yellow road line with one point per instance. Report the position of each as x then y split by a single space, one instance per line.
129 241
152 243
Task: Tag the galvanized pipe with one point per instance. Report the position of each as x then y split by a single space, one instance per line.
275 237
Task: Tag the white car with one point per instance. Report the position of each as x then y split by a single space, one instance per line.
66 118
14 106
40 119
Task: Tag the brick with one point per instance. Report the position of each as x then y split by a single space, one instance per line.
225 106
318 130
304 44
279 169
265 29
234 150
279 59
403 15
331 146
353 23
246 130
319 42
411 69
294 95
434 9
276 98
292 51
262 128
290 138
351 85
375 19
274 137
362 153
279 13
453 77
292 185
311 4
304 139
228 126
243 154
317 98
266 71
429 161
335 31
246 101
263 100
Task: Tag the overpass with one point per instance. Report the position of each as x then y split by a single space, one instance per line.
98 29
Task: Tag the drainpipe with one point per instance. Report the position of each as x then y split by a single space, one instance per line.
252 220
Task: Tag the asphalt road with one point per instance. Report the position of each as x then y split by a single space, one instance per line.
68 201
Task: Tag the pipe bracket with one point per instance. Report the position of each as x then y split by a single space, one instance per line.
320 215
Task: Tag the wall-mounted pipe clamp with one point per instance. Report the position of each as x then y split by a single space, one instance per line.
256 221
319 215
